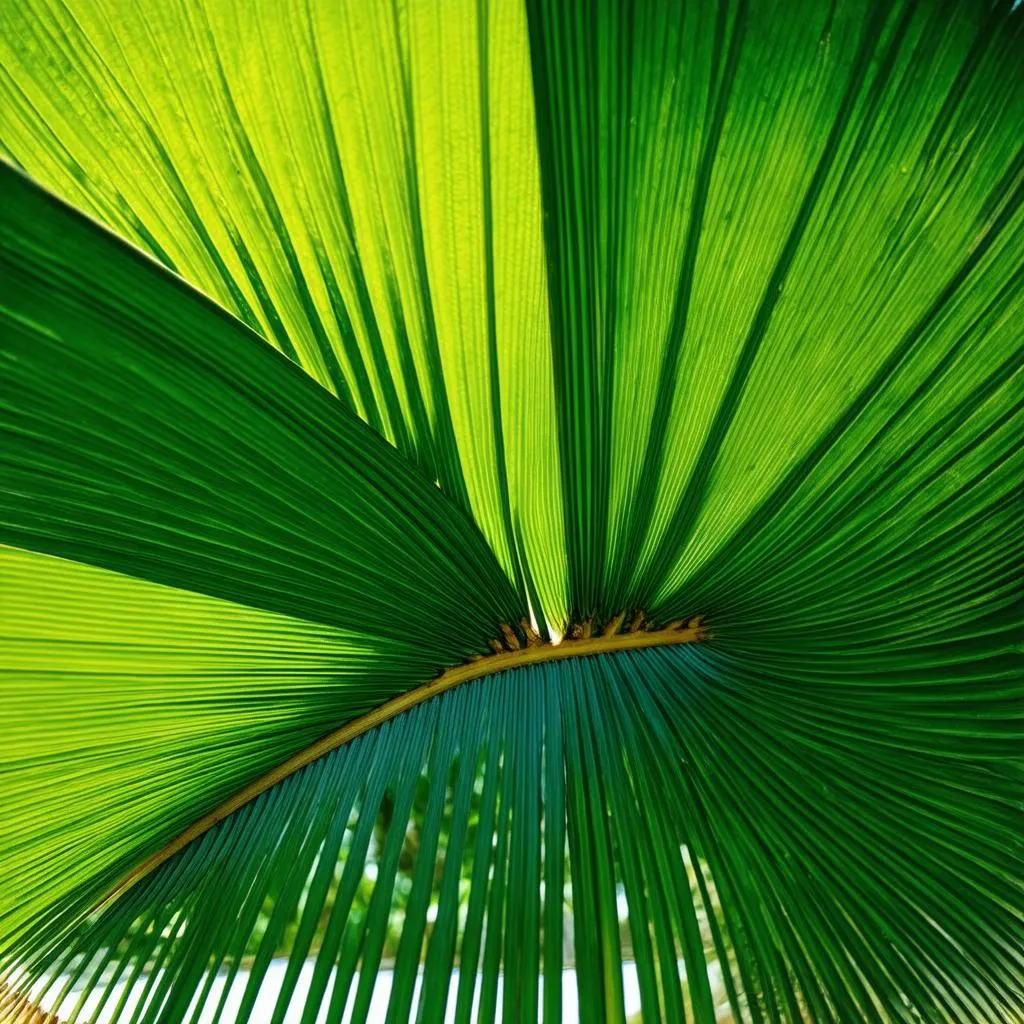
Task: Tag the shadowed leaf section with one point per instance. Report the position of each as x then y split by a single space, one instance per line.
723 827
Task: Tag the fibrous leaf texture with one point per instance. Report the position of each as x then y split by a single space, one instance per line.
344 343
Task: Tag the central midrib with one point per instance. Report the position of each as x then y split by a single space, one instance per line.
507 654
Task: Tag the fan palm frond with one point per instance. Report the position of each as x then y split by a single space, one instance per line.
501 493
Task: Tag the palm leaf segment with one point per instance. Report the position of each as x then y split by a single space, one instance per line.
652 315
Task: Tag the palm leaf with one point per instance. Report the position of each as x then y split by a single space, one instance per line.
650 313
231 474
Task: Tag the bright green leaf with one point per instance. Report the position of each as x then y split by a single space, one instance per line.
707 308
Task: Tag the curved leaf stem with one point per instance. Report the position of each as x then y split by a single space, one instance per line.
507 655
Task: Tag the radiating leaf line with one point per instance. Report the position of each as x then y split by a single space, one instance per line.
802 470
653 453
395 423
490 255
683 519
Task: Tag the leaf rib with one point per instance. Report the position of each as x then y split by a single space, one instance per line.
692 632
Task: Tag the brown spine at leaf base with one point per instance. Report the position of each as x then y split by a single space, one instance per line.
16 1009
